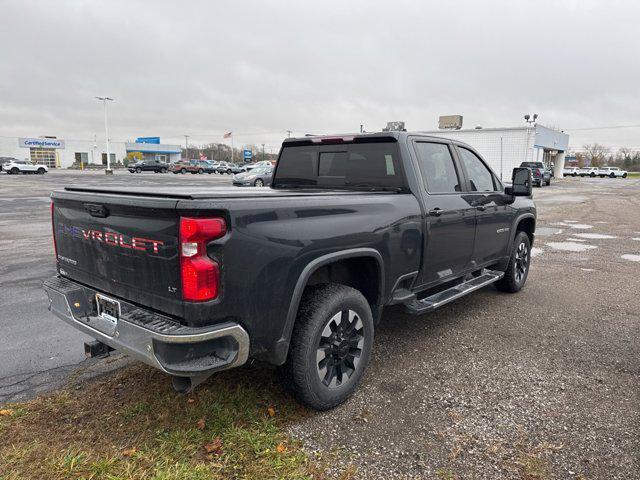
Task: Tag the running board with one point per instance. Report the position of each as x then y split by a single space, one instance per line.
436 300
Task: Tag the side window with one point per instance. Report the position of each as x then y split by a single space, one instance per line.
437 168
480 177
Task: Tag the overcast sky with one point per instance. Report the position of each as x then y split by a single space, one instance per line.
259 68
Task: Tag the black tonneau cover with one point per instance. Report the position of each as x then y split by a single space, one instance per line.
197 193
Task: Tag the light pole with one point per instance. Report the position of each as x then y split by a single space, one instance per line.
104 100
186 146
263 152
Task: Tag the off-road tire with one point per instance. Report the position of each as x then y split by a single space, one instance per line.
509 282
319 304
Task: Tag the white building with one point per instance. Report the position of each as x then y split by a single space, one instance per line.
506 148
60 153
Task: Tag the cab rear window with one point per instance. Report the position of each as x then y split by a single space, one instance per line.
340 165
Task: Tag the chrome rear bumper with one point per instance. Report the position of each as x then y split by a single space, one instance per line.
150 337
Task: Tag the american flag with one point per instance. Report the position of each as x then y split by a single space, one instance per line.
227 135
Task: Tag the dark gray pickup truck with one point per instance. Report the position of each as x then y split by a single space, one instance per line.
197 280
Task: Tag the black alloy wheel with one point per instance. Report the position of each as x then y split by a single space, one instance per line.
340 348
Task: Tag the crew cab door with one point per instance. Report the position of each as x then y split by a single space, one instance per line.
449 220
493 213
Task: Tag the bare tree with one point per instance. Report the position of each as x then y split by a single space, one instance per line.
596 153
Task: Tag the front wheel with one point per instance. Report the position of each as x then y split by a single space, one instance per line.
592 175
330 345
183 171
41 171
200 171
624 175
517 271
259 183
163 170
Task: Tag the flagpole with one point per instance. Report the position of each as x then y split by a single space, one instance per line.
231 147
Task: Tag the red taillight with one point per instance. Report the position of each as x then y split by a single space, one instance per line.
200 275
53 231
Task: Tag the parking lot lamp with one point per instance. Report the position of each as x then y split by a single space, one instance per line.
104 100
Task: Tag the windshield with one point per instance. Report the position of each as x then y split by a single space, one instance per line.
351 165
259 170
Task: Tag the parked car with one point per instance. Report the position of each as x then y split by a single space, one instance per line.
211 166
140 166
225 167
541 174
13 167
570 171
588 171
257 177
264 163
4 160
612 172
238 168
193 281
191 166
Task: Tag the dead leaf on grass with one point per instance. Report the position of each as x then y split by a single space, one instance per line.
129 452
6 412
192 401
281 448
214 447
200 424
271 411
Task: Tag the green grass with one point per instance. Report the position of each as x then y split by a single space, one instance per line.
633 175
132 425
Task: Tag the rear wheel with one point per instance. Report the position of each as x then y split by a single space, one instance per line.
138 170
163 170
330 345
200 171
624 175
612 175
229 172
15 171
41 171
517 271
183 171
592 175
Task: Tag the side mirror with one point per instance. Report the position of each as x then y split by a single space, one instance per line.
521 185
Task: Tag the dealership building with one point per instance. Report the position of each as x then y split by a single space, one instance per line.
506 148
62 153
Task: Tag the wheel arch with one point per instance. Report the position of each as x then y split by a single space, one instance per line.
320 269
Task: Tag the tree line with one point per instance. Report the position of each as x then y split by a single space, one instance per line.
221 152
597 155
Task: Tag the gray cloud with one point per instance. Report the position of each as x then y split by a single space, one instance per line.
259 68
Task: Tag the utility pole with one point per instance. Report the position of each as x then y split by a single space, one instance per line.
263 152
361 126
104 100
186 147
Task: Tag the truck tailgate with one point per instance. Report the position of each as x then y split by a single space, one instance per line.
123 245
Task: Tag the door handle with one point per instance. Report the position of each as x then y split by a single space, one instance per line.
482 208
436 212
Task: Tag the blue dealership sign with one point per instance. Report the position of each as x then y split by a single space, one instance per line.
154 140
248 154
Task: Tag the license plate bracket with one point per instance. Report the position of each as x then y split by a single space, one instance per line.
108 311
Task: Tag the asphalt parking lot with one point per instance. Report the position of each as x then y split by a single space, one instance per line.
541 384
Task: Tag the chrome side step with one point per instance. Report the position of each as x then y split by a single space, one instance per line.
436 300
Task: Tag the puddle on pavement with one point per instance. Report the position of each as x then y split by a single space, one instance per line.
595 236
631 257
546 231
570 246
578 226
535 251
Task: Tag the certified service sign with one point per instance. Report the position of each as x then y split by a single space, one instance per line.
40 143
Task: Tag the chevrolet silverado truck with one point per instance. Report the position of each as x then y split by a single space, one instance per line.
197 280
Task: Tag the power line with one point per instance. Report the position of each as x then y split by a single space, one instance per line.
607 127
